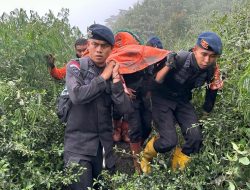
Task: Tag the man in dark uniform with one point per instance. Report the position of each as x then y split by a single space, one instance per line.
89 125
140 117
170 98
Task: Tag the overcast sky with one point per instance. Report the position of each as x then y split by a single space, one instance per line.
82 12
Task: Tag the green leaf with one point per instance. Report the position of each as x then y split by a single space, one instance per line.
231 186
234 158
235 147
244 160
248 185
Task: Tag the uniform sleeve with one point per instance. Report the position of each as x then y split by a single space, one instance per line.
79 92
58 73
209 100
120 98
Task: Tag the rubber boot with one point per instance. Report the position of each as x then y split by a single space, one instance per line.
136 149
148 154
179 160
117 130
125 136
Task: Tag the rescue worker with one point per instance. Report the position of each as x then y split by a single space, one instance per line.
134 61
60 73
140 118
171 100
120 122
89 125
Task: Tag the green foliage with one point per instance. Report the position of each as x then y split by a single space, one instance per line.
234 29
224 161
25 39
31 138
175 22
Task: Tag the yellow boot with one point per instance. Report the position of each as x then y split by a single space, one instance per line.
179 159
148 154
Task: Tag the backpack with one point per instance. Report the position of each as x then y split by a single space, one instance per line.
63 103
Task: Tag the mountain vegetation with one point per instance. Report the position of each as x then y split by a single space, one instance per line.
31 137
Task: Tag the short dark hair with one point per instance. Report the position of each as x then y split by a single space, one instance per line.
81 41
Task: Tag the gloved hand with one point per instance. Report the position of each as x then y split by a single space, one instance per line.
50 60
171 60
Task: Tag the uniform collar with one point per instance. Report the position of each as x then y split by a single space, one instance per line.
93 65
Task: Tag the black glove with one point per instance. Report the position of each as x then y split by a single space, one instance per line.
171 60
50 60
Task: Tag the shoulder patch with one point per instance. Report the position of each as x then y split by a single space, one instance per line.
74 63
74 69
74 66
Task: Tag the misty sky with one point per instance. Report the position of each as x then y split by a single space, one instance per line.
82 12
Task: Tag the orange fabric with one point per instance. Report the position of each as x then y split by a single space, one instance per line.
124 38
133 58
85 53
58 73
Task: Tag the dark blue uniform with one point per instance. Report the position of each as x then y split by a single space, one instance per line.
89 125
140 118
171 103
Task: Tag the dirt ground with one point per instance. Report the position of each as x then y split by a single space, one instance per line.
124 163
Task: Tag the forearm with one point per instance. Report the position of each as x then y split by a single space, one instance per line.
58 73
80 93
209 100
161 74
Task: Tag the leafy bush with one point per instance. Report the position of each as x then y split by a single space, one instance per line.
31 137
223 162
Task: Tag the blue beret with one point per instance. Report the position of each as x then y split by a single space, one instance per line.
101 32
210 41
155 42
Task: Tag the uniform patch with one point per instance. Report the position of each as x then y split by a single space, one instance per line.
204 44
75 69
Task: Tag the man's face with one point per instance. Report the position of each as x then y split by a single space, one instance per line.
204 57
80 49
99 51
